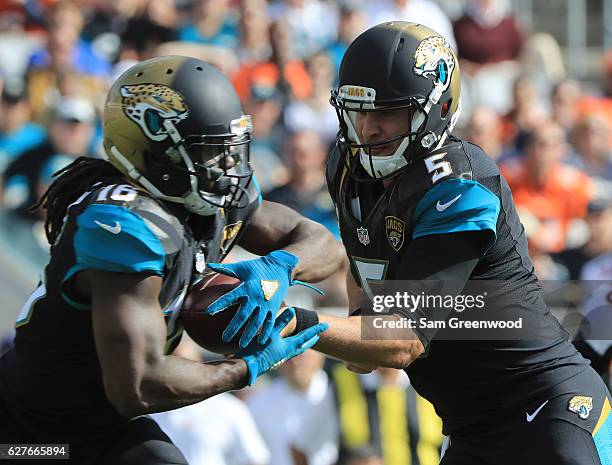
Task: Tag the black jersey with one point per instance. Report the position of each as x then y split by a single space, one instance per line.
51 379
456 189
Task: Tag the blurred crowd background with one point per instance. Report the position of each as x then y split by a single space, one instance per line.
537 97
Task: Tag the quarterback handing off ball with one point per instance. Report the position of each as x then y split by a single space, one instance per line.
207 330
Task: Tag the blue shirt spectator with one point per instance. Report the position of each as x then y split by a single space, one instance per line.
214 24
226 37
17 133
84 60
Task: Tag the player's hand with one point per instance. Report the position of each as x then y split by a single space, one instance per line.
260 358
265 282
360 368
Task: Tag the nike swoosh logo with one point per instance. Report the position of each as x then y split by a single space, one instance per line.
443 206
111 229
533 415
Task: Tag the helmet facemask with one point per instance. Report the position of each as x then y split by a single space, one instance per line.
349 102
205 173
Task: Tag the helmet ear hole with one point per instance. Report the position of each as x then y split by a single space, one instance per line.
446 107
169 177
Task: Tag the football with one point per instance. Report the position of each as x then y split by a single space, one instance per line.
206 330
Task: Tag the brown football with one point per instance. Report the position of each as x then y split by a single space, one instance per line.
206 330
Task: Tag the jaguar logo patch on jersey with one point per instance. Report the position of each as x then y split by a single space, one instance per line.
150 105
582 405
269 288
395 231
363 235
435 60
229 234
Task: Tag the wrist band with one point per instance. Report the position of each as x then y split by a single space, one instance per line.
304 319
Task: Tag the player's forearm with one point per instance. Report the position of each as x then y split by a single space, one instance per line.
320 254
343 340
174 382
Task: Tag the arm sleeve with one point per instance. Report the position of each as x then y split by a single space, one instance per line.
457 205
439 265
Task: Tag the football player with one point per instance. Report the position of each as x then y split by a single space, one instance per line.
418 205
91 354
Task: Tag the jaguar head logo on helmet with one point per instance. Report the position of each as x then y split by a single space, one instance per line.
434 59
419 81
174 125
149 105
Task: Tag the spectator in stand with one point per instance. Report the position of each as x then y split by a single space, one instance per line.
214 23
306 191
549 195
65 58
594 340
489 45
17 41
65 49
295 413
217 431
312 24
17 132
254 38
487 33
593 154
425 12
288 74
526 114
601 103
484 129
70 136
264 106
315 113
352 22
598 244
564 100
369 403
145 30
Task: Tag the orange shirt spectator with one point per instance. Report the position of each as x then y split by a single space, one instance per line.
549 195
282 70
268 74
600 104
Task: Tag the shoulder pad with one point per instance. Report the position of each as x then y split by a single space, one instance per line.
457 205
448 162
115 238
166 226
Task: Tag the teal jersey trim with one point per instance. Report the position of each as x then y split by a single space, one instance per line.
603 441
113 238
256 184
457 205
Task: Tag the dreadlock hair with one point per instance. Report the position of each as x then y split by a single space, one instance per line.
71 182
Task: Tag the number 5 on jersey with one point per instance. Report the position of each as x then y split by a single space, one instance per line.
437 168
370 270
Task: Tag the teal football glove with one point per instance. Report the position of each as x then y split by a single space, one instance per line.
265 282
260 358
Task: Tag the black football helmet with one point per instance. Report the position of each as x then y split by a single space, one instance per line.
395 66
174 125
